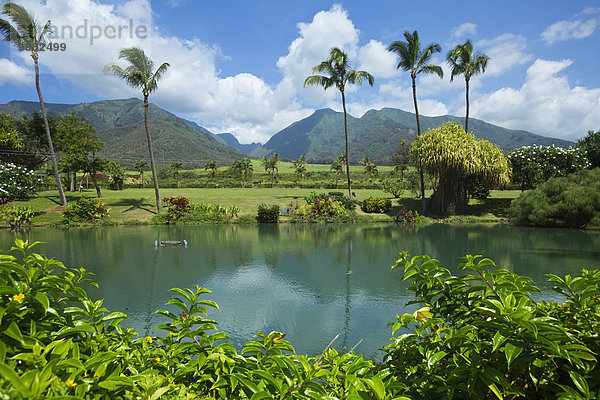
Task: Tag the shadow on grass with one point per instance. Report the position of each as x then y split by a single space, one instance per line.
496 207
141 204
70 196
290 197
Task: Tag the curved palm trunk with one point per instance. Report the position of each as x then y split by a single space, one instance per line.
423 203
152 165
347 153
467 115
61 192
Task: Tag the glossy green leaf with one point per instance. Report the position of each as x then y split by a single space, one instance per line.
511 352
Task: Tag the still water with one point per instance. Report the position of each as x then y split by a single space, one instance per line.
311 281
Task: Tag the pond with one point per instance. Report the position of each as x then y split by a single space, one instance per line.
310 281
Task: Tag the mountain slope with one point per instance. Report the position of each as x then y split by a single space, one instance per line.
230 140
378 133
120 125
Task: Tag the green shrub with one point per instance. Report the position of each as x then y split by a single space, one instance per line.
180 211
572 201
86 209
177 207
483 336
268 214
376 205
16 216
394 187
347 203
16 182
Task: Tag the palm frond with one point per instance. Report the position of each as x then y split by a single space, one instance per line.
319 80
153 82
432 69
357 77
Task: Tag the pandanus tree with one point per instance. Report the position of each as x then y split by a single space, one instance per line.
24 32
414 59
463 62
456 158
140 74
336 72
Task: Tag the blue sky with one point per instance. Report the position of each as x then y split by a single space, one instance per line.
239 66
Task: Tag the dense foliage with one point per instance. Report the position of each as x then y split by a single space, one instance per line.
16 182
532 165
268 214
85 210
479 336
374 204
591 145
456 158
572 201
483 336
16 216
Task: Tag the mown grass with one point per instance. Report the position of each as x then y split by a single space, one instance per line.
138 205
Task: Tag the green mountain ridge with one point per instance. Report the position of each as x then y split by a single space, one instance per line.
120 125
378 133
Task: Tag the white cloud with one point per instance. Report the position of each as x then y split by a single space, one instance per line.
12 73
463 31
574 29
505 51
377 60
545 104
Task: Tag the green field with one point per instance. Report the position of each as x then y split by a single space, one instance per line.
131 205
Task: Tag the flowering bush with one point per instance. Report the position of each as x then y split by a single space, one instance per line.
376 205
86 209
16 182
532 165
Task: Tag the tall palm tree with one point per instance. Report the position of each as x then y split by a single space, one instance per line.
175 168
415 60
463 62
212 166
26 33
140 74
337 72
140 167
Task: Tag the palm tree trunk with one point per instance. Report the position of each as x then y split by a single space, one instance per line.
467 115
423 203
347 153
154 177
61 192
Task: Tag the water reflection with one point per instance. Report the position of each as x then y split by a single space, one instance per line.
312 282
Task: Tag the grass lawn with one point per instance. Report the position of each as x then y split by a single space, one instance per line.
138 204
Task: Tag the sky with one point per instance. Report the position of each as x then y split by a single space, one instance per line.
240 66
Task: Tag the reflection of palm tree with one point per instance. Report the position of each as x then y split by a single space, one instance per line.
348 295
150 311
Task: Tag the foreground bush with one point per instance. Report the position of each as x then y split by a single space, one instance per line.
179 210
480 336
573 201
376 205
85 210
268 214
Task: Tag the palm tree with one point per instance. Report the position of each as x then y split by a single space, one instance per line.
337 166
299 166
212 166
462 62
415 60
338 73
26 33
270 166
140 166
139 74
175 168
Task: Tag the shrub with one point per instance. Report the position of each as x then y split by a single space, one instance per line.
16 182
347 203
17 216
483 336
86 209
405 216
176 207
393 187
268 214
376 205
573 201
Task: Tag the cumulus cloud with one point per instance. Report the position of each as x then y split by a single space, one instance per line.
581 26
545 104
464 30
13 73
505 51
377 60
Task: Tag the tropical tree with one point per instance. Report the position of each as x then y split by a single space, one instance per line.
212 166
591 145
175 168
370 167
299 166
270 166
463 62
337 166
140 167
337 72
456 158
140 74
242 169
414 59
24 32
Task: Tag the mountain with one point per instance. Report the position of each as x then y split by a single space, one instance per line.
378 133
120 125
230 140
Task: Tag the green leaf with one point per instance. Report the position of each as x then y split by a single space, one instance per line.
498 341
495 390
377 386
511 351
43 300
14 332
11 376
580 383
261 395
435 358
